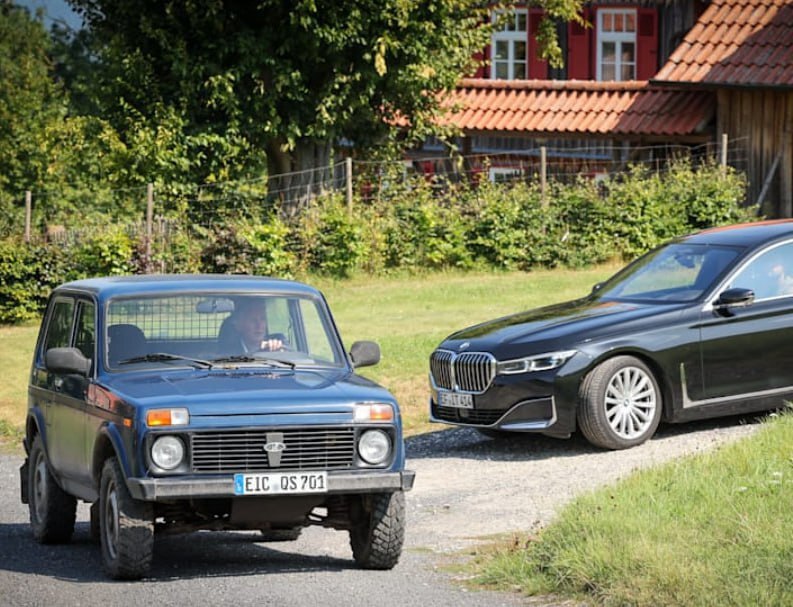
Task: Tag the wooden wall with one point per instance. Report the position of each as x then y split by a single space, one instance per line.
761 123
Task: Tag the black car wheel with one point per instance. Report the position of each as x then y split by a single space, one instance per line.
619 403
126 527
52 510
378 530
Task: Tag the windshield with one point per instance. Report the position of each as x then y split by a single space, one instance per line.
673 273
205 330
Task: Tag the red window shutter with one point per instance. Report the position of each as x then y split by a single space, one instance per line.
538 68
486 66
480 70
646 43
579 45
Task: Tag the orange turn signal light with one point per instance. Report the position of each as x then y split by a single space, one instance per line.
167 417
374 412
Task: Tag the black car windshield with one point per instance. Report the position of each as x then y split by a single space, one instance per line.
677 272
211 330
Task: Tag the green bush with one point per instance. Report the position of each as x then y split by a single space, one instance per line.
329 239
109 251
27 274
245 246
423 229
412 225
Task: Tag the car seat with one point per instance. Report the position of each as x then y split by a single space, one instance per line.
125 342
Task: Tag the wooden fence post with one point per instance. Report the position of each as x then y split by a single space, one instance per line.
544 175
149 220
348 174
28 213
724 143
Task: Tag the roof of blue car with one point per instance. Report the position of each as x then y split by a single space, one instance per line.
150 284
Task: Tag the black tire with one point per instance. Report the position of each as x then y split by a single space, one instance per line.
126 527
378 530
281 535
94 525
619 404
52 510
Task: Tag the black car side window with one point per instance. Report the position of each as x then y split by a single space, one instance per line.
770 274
59 329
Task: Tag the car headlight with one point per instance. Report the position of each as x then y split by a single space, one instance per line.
539 362
167 452
374 447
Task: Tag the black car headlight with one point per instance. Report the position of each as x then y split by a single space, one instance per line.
538 362
167 452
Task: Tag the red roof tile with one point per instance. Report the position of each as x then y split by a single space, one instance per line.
577 107
738 43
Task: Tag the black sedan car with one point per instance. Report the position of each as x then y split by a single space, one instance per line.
699 327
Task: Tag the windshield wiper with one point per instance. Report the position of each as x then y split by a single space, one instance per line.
242 358
165 357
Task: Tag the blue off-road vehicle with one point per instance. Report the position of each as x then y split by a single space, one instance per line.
150 400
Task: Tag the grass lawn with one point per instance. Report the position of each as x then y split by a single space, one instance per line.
407 315
712 529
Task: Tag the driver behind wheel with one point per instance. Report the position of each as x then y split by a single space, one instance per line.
246 329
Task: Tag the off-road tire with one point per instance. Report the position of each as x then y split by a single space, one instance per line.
378 530
619 403
94 522
281 535
126 527
52 510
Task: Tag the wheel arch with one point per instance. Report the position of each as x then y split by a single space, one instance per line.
662 378
108 444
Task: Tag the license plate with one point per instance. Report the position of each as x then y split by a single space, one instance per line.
280 482
457 400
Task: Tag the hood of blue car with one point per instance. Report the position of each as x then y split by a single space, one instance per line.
246 391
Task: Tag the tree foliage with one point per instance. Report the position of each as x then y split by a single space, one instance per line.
286 77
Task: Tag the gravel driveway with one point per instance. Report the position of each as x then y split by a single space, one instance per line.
467 488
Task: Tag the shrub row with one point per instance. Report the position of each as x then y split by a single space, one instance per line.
415 226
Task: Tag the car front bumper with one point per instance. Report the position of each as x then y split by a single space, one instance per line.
157 489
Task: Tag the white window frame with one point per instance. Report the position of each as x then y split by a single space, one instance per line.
618 38
511 35
504 174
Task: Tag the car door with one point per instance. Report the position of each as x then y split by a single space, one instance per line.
747 351
47 385
63 394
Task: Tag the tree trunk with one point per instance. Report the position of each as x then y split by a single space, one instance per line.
297 176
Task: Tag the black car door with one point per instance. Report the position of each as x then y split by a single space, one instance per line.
747 351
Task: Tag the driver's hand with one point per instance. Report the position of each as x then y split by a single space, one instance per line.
272 345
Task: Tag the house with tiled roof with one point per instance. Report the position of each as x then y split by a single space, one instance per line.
616 93
742 51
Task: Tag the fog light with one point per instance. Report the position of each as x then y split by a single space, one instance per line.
374 447
167 452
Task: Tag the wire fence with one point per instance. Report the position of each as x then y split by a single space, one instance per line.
149 212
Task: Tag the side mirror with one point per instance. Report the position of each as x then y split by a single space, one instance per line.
67 360
364 354
735 297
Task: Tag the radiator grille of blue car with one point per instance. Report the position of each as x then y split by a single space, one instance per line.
244 450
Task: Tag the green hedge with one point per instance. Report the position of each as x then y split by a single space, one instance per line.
413 225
